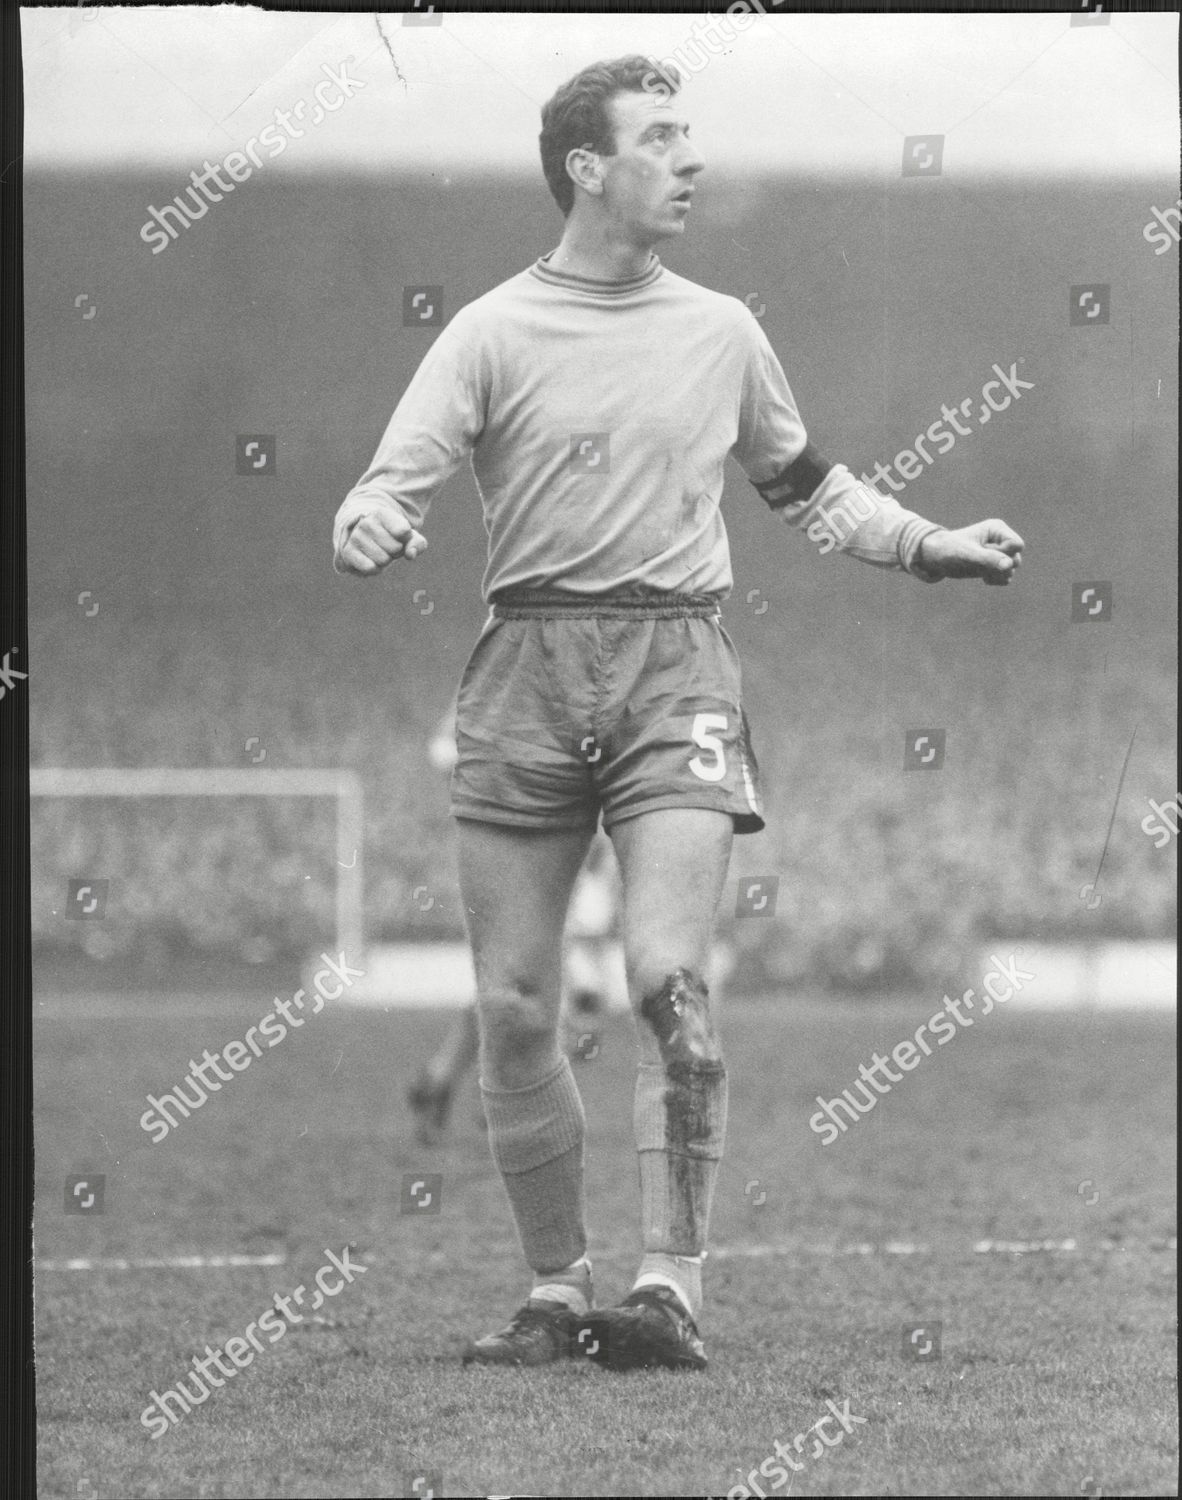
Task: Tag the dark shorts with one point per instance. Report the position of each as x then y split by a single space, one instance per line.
563 717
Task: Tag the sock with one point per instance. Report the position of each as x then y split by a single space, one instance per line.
682 1273
680 1125
536 1135
571 1287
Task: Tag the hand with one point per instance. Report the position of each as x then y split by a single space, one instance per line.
377 539
988 549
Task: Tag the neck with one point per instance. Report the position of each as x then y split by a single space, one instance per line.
598 252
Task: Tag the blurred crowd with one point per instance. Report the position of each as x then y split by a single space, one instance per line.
885 879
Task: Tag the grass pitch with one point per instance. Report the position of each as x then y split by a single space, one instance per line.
1036 1371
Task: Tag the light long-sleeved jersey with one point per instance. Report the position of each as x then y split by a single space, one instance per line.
598 417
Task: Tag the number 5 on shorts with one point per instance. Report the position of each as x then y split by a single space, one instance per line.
713 770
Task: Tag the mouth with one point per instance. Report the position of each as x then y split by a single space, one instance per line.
684 196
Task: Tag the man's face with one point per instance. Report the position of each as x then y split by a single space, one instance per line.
648 183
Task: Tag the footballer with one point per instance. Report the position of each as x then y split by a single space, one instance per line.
597 396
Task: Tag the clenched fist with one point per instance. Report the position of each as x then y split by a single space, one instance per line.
377 539
988 549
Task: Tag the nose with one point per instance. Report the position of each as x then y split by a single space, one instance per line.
689 161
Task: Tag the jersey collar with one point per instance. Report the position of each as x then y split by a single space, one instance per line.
545 272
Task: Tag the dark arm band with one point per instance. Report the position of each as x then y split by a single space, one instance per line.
798 481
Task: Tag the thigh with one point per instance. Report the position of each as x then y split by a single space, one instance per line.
524 702
516 886
674 865
680 739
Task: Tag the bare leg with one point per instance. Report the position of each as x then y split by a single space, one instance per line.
586 986
516 887
433 1093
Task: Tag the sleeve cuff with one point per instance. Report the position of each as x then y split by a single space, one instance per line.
910 543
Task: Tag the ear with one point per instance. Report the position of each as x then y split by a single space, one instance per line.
585 170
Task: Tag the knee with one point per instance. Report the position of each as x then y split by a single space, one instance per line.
656 959
515 1018
677 1012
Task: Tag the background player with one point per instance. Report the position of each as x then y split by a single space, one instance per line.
598 396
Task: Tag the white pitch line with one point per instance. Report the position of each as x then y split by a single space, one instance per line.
721 1252
907 1247
162 1263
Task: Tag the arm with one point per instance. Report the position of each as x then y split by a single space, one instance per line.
839 512
434 427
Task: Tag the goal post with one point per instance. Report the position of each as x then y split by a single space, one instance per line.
172 781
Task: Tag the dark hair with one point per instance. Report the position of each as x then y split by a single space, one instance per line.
577 115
